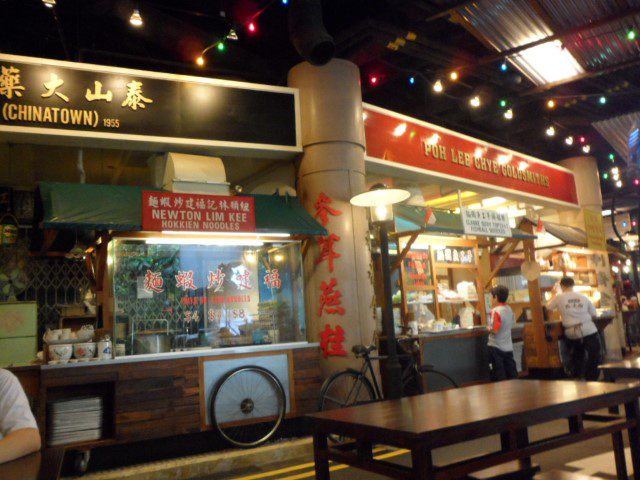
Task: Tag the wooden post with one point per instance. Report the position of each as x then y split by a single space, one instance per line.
541 357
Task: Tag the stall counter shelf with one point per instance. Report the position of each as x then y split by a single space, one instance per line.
159 395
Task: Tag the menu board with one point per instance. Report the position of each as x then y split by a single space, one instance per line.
456 255
416 272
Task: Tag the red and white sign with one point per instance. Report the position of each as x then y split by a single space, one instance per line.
197 213
402 140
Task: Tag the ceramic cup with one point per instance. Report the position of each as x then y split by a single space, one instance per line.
105 350
84 350
60 353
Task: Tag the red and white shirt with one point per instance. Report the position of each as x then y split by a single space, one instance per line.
501 321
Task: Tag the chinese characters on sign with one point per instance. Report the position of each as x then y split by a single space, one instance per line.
487 223
187 212
184 280
10 82
330 297
272 279
216 280
153 282
331 341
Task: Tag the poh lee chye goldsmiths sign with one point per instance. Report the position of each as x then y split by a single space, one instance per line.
487 223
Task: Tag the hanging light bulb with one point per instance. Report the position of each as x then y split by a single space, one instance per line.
602 100
475 101
636 181
373 79
551 103
619 184
508 115
615 170
612 157
631 35
551 131
412 80
136 19
503 103
582 139
49 3
437 87
504 66
220 46
285 2
200 61
569 140
454 76
605 176
586 148
252 27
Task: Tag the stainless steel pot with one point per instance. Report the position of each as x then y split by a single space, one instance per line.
147 342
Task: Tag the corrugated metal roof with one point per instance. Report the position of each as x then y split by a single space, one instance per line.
617 130
507 24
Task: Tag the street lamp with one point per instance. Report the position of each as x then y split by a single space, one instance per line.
380 200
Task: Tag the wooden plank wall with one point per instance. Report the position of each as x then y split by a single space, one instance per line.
307 379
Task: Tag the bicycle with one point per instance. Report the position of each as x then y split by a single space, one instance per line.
352 387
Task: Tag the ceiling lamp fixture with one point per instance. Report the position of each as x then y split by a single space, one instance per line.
551 103
569 140
49 3
232 35
475 101
136 19
438 87
508 115
454 76
586 148
551 131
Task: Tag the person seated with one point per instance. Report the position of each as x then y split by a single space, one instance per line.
19 435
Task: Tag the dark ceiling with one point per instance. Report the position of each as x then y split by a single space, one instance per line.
391 39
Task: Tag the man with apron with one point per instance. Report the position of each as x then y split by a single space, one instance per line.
580 333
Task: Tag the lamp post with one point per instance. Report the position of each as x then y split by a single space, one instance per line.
380 200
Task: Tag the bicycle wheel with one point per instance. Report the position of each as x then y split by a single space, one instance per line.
436 380
344 389
247 406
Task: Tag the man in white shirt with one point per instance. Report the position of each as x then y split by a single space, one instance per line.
580 333
19 433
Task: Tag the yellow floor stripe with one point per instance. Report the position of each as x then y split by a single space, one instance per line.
335 468
293 468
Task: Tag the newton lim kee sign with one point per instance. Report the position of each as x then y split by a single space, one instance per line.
64 98
401 140
193 212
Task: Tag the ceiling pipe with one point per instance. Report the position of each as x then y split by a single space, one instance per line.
308 34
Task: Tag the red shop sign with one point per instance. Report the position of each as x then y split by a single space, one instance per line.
197 213
398 139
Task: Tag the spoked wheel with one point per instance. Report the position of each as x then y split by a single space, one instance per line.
247 406
344 389
436 380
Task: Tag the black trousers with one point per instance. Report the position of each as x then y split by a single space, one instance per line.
502 365
584 355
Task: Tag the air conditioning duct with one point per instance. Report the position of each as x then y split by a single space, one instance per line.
182 173
307 32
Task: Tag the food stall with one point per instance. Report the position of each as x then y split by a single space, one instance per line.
444 300
193 286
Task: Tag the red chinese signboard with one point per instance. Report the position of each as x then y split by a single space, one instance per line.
394 138
199 213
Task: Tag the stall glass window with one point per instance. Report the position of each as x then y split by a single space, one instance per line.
182 296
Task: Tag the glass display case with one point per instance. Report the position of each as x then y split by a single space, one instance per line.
173 294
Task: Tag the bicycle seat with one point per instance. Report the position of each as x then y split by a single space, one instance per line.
362 350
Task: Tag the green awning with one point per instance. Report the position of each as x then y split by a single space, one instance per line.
119 208
409 218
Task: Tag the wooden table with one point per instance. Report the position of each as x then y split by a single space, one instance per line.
43 465
624 369
425 422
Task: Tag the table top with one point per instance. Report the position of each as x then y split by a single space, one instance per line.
479 407
631 364
43 465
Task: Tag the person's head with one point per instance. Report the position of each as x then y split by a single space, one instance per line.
499 294
567 284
